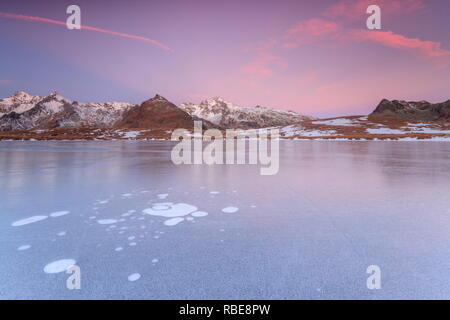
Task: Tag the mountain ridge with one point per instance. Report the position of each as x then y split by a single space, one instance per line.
226 114
22 111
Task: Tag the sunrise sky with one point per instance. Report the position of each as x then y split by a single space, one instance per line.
314 57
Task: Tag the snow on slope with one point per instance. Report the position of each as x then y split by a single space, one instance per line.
225 114
18 102
22 111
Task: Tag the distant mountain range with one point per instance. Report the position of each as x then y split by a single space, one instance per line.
22 111
27 117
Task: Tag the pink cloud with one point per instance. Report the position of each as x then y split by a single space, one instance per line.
318 29
429 49
309 30
262 65
83 27
4 81
353 10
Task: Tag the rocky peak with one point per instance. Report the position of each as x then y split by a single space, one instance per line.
414 110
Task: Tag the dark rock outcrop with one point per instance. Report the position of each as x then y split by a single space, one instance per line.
158 113
422 110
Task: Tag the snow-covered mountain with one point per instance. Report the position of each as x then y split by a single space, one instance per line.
227 115
22 111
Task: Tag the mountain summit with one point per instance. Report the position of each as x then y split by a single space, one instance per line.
421 110
157 113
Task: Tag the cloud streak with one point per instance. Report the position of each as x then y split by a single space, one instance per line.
390 39
312 30
83 27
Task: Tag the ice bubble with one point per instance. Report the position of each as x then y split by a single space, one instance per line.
199 214
161 207
173 221
230 209
176 210
162 195
59 266
107 221
59 214
134 277
24 247
29 220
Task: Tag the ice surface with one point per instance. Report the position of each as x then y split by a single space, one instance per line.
333 208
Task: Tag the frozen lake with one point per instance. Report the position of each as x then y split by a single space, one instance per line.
140 227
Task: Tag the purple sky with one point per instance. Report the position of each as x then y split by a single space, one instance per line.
314 57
